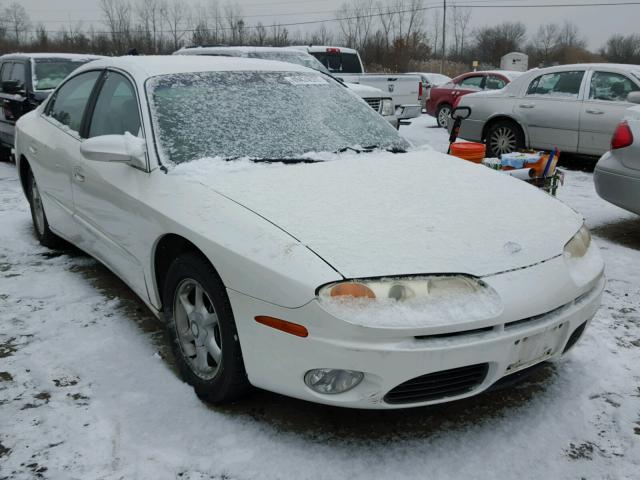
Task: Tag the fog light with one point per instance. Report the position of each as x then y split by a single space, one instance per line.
330 381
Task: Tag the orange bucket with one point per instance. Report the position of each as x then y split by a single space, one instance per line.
474 152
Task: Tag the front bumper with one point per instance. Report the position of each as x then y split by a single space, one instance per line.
617 184
546 307
404 112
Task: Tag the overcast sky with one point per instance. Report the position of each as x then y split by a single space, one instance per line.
596 23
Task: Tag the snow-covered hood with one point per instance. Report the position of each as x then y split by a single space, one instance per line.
381 214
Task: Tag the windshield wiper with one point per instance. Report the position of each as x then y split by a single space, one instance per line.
390 149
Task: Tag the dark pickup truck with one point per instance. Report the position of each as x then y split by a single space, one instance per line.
26 80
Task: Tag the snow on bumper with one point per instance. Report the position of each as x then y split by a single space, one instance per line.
533 327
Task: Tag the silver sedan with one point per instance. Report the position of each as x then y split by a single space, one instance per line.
617 174
573 107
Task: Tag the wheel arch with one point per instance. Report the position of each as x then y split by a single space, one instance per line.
167 248
502 117
24 168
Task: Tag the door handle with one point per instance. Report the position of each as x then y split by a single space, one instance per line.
594 112
527 105
77 174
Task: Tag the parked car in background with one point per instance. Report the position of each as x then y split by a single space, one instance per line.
442 99
573 107
430 80
345 63
380 102
288 248
617 174
26 79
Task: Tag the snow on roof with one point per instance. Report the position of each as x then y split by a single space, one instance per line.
154 65
323 48
222 49
70 56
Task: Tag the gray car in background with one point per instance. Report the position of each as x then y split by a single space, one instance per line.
573 107
617 174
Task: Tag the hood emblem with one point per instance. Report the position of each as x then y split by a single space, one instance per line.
391 86
512 247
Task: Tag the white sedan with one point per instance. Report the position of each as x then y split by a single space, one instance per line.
292 242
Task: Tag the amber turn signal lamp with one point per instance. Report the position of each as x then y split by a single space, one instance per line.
283 325
357 290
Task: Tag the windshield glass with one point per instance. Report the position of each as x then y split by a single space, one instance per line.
299 58
261 115
49 72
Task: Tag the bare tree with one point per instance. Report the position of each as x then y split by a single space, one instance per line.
148 15
17 21
174 13
622 49
459 19
354 21
546 42
117 17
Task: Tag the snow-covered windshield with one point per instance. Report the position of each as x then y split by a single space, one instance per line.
261 115
49 72
299 58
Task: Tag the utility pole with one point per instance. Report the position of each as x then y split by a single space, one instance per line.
444 27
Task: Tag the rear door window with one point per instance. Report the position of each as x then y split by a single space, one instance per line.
558 84
472 83
611 87
5 73
339 62
70 100
494 82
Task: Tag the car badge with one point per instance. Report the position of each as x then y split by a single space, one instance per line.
512 247
391 86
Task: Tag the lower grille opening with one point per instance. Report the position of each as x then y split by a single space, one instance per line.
438 385
575 336
454 334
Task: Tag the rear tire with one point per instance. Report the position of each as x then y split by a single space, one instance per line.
40 223
504 136
202 330
442 115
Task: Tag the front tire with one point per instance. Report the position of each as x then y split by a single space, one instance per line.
503 137
40 224
442 115
202 330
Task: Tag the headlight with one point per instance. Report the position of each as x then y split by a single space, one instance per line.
411 301
577 247
401 289
387 107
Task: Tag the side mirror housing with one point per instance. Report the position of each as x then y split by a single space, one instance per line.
12 87
633 97
116 148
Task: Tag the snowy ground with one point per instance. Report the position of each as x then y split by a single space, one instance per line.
87 390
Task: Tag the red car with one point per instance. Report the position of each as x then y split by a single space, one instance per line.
443 98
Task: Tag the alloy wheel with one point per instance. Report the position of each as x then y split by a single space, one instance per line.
443 116
197 328
503 140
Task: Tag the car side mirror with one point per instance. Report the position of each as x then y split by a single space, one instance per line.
116 148
633 97
12 87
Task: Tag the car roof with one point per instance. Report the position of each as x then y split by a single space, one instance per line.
154 65
70 56
221 49
323 48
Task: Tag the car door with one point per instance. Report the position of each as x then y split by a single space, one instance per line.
6 117
53 152
603 108
111 220
550 109
13 92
